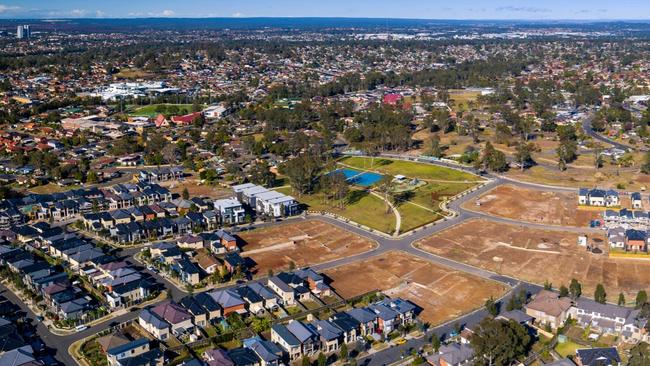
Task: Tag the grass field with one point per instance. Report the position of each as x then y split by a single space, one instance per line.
567 348
361 207
409 169
414 216
132 74
150 110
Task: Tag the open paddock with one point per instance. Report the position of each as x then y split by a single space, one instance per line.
442 293
305 243
536 255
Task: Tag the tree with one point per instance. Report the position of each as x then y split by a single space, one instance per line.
185 194
621 299
303 172
645 167
548 286
92 177
523 154
292 266
493 159
575 289
491 307
343 352
499 342
322 360
435 149
564 292
640 355
306 361
386 186
435 342
261 174
641 298
600 295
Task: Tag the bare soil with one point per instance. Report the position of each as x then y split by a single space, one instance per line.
442 293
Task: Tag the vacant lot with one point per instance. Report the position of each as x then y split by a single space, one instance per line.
304 242
534 206
537 256
442 293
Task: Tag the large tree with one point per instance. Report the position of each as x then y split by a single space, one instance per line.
499 342
303 172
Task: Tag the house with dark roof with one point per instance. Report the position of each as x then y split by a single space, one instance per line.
269 353
244 357
212 308
199 314
598 357
347 324
366 318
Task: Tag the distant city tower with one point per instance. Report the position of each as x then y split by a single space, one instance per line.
23 31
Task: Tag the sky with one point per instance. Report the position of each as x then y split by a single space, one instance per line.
416 9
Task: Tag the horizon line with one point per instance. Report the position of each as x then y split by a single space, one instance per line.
333 17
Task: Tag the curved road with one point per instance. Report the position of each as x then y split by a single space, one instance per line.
403 243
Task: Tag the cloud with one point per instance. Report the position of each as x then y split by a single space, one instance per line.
99 14
78 12
8 8
237 15
168 13
523 9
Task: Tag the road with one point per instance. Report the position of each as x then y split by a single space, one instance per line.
385 244
586 126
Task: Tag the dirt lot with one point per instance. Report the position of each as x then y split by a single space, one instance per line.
538 255
442 293
534 206
304 242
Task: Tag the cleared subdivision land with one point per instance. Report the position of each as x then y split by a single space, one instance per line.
442 293
537 256
533 206
303 243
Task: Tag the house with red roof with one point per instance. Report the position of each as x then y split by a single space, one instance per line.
392 99
186 119
161 121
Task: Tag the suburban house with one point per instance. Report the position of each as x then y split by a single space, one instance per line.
291 345
598 357
229 300
230 210
608 318
135 352
453 354
548 307
153 324
636 201
179 319
598 197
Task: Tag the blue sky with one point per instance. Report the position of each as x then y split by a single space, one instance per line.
423 9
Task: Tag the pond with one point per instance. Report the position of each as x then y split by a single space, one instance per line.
363 179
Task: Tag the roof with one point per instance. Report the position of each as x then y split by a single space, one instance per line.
227 298
284 333
153 319
452 354
598 356
112 340
301 331
171 312
362 315
243 357
549 303
128 346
